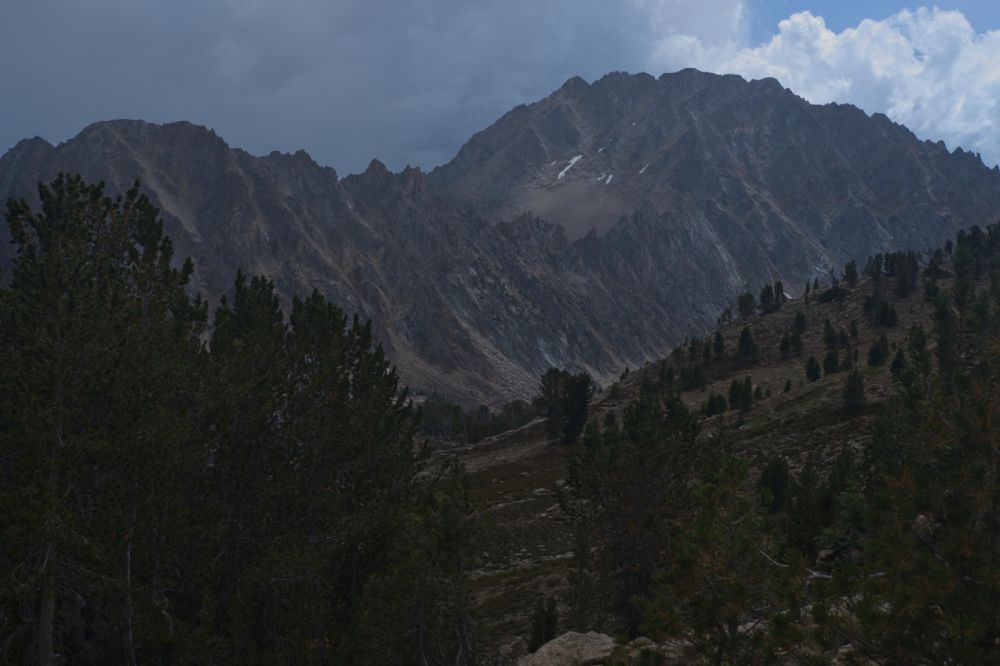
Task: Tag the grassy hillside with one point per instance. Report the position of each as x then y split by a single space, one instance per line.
525 546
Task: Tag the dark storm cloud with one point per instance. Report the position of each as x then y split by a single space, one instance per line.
404 81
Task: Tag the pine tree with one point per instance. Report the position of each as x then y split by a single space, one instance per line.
774 479
552 401
799 323
710 582
830 338
879 351
623 487
795 343
741 394
563 399
935 529
242 500
812 369
785 346
767 298
779 294
747 348
854 391
98 325
719 345
851 273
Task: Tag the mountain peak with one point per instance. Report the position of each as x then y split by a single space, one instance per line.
131 131
575 86
769 83
34 143
696 144
376 168
631 199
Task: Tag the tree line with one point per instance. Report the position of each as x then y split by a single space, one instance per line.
890 548
186 486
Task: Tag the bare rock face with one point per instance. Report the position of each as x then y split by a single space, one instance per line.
466 309
572 648
591 230
738 161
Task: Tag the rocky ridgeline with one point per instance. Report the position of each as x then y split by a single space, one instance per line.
591 230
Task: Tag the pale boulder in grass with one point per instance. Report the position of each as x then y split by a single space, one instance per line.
572 648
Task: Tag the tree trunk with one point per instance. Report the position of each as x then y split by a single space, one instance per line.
47 610
128 644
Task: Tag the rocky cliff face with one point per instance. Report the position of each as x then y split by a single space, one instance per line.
663 198
467 309
734 156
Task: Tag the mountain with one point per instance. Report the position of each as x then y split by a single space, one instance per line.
467 309
528 551
675 194
749 169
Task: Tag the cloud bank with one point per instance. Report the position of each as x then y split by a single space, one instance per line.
408 81
927 69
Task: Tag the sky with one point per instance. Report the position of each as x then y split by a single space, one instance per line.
409 81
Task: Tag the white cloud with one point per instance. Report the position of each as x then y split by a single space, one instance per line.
928 69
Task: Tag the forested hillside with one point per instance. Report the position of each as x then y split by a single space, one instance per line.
817 482
814 480
179 486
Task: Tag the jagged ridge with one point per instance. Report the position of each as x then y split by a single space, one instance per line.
708 185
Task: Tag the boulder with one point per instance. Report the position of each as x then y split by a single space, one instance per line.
572 649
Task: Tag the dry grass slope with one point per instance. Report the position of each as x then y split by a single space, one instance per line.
524 548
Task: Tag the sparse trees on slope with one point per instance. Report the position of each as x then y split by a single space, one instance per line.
937 522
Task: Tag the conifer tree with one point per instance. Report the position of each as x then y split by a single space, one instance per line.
854 391
98 325
830 338
747 348
799 323
174 501
785 346
813 372
879 351
767 298
623 487
719 345
851 273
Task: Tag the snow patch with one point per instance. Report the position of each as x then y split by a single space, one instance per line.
569 166
608 181
633 123
606 144
643 169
